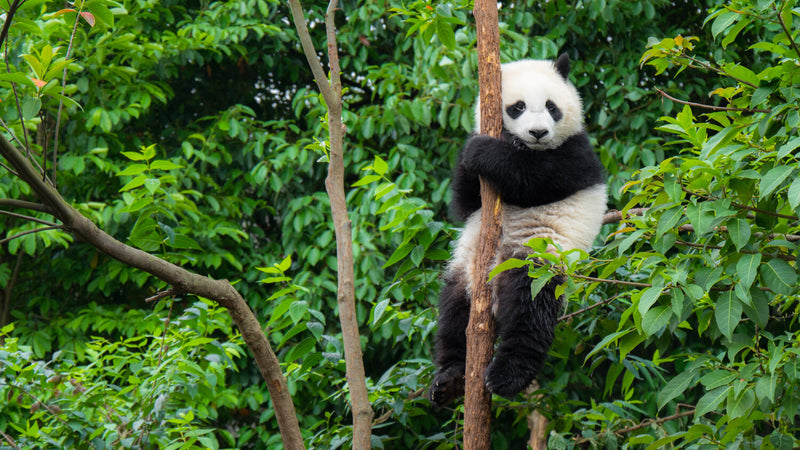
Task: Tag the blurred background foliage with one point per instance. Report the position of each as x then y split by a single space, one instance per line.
193 130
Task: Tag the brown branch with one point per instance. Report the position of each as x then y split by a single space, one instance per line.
24 233
480 329
589 308
711 107
334 185
786 30
13 203
643 424
163 294
219 291
614 216
29 218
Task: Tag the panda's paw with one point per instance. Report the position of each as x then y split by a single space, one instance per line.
448 384
506 378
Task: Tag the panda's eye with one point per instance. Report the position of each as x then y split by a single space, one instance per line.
551 106
516 109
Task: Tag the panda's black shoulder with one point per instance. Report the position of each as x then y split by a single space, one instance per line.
576 160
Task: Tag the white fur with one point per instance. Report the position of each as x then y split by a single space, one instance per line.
535 82
571 223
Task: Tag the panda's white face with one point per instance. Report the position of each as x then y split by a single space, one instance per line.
541 109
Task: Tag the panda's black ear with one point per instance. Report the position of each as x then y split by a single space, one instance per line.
562 65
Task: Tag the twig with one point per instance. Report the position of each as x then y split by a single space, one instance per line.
786 30
29 218
711 107
648 422
589 308
168 293
25 205
643 424
63 87
19 235
605 280
9 439
614 216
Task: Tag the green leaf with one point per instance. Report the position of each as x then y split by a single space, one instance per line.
675 388
161 164
401 252
747 269
773 179
133 169
378 310
793 196
728 313
300 350
656 319
710 401
739 231
717 378
380 166
446 34
510 263
648 298
779 276
740 406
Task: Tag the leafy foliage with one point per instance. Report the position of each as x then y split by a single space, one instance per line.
193 130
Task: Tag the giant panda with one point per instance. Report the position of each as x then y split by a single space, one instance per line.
552 186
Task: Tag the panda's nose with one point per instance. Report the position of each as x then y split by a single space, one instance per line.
538 134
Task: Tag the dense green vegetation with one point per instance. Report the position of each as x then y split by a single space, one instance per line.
193 131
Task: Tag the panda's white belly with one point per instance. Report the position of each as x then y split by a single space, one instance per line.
571 223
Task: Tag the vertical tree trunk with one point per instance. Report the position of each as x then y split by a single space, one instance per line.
480 331
332 93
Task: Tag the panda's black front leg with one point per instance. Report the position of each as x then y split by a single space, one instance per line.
526 328
451 343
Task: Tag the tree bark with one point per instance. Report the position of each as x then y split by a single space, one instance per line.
480 331
334 184
182 281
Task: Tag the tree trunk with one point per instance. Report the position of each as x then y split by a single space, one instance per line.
480 331
334 184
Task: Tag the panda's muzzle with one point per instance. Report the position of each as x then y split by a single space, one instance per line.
538 134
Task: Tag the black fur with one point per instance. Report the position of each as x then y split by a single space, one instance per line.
522 176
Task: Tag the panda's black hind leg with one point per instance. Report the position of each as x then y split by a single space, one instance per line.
526 328
451 343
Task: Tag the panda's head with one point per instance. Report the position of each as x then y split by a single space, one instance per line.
541 108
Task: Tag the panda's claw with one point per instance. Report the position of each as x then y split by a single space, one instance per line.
447 385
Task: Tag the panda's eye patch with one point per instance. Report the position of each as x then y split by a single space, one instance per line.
552 108
516 109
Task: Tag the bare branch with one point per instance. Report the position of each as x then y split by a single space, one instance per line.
30 218
13 203
711 107
19 235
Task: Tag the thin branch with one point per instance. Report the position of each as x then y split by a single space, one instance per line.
36 230
614 216
711 107
29 218
589 308
13 203
740 206
609 281
9 439
163 294
643 424
786 29
648 422
63 87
